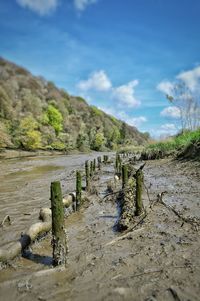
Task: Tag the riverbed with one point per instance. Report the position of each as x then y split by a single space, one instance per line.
157 261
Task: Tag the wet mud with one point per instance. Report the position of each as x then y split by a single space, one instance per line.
157 260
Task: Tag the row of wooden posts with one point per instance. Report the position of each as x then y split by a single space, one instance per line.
59 241
123 172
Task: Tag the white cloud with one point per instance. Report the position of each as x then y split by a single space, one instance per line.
171 111
82 4
164 131
165 87
42 7
134 121
168 127
191 78
125 94
97 81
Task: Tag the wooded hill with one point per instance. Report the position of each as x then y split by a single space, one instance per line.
35 114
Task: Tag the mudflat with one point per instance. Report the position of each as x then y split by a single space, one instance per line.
157 260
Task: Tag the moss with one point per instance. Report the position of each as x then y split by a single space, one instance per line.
139 186
78 189
59 237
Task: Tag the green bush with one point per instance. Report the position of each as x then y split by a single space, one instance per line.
54 118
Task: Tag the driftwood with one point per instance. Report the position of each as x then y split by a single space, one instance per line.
12 250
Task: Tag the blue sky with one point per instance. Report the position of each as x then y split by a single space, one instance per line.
121 55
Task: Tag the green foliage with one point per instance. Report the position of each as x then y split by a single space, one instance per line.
82 142
32 140
5 104
96 112
58 145
29 136
175 145
28 124
99 141
4 136
123 131
54 118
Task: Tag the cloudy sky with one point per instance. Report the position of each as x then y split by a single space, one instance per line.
120 55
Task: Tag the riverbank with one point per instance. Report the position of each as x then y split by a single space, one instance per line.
18 153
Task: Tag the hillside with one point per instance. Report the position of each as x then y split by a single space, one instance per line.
35 114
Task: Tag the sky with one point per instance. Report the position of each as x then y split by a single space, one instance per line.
122 56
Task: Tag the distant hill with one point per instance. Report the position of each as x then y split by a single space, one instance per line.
35 114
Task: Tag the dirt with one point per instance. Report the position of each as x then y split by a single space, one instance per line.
158 260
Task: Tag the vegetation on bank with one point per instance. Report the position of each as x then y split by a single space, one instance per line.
35 114
184 145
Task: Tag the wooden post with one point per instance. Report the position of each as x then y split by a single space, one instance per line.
78 189
105 159
116 163
87 175
99 163
94 165
120 167
91 169
59 241
124 176
139 184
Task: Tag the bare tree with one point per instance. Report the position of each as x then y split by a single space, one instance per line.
188 103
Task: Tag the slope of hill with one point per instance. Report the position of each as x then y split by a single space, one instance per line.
35 114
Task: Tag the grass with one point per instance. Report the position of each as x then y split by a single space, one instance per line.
189 141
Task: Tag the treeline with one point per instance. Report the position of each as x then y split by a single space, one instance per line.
35 114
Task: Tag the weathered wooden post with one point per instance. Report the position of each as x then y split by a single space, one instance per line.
59 241
99 163
119 167
116 163
105 159
91 169
139 184
78 189
124 176
87 175
94 165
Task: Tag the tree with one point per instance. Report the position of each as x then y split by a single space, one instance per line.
99 141
187 102
123 131
29 136
54 118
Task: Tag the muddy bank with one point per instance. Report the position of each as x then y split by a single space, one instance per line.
158 260
17 153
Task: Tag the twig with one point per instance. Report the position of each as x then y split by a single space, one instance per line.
184 219
6 219
174 294
147 190
145 273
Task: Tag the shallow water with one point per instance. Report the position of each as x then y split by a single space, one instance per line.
25 187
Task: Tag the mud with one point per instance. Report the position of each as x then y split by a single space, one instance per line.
158 260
